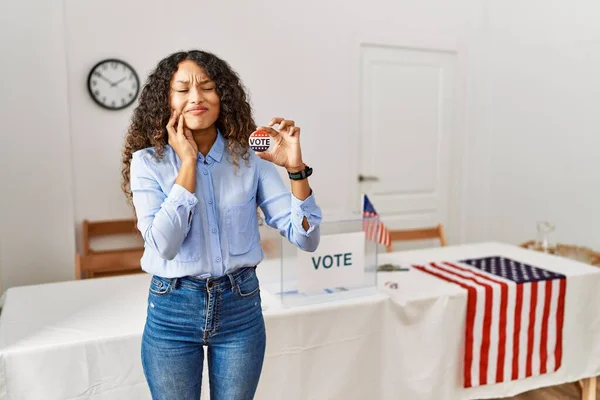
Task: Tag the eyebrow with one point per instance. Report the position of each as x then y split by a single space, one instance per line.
187 82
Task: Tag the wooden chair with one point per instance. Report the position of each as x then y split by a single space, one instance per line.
100 263
117 262
436 232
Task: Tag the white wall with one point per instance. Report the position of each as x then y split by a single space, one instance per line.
528 73
297 59
544 121
36 211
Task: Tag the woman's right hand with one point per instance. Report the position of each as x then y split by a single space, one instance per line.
181 139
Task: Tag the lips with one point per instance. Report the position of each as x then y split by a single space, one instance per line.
197 110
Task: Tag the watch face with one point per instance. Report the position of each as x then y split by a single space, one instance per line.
113 84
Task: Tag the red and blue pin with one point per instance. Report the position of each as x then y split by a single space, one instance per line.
259 141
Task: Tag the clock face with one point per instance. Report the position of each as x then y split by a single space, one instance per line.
113 84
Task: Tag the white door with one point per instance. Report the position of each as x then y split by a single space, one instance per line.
407 125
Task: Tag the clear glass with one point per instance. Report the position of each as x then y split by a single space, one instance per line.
288 288
544 241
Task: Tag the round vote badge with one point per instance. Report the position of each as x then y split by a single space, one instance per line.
260 141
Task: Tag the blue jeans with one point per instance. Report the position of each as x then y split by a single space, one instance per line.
185 314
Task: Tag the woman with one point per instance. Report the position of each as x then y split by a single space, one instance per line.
195 185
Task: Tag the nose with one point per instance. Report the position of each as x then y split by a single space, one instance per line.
196 95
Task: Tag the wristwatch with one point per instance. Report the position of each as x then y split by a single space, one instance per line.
298 176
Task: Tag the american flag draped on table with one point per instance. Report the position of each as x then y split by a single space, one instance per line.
374 229
514 319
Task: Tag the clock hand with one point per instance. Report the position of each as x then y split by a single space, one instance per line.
117 82
102 76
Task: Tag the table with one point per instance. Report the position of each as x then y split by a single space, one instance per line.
81 339
427 324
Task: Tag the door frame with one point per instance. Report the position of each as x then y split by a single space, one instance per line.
455 224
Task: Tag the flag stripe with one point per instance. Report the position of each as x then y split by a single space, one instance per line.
502 322
485 344
524 324
560 315
537 335
510 325
471 303
516 332
487 320
502 332
530 337
544 337
551 325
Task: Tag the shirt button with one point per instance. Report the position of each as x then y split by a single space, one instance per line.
210 202
304 208
205 172
214 230
218 259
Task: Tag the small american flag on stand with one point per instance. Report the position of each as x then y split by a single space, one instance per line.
514 320
375 230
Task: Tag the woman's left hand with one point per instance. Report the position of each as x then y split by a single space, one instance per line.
285 146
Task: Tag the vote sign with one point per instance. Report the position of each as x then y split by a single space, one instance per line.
259 141
339 261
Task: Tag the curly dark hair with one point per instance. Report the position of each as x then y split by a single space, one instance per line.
150 117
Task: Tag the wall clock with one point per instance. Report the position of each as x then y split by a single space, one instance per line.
113 84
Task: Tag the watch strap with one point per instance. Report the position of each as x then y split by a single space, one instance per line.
297 176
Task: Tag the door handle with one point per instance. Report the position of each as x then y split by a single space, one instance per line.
362 178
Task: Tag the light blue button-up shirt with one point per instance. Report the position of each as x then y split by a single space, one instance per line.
215 230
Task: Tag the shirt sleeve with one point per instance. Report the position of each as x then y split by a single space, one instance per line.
284 212
163 220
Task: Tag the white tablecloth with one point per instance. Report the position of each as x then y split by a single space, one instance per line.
425 335
81 339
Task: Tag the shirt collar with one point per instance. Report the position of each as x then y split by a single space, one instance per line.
216 151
